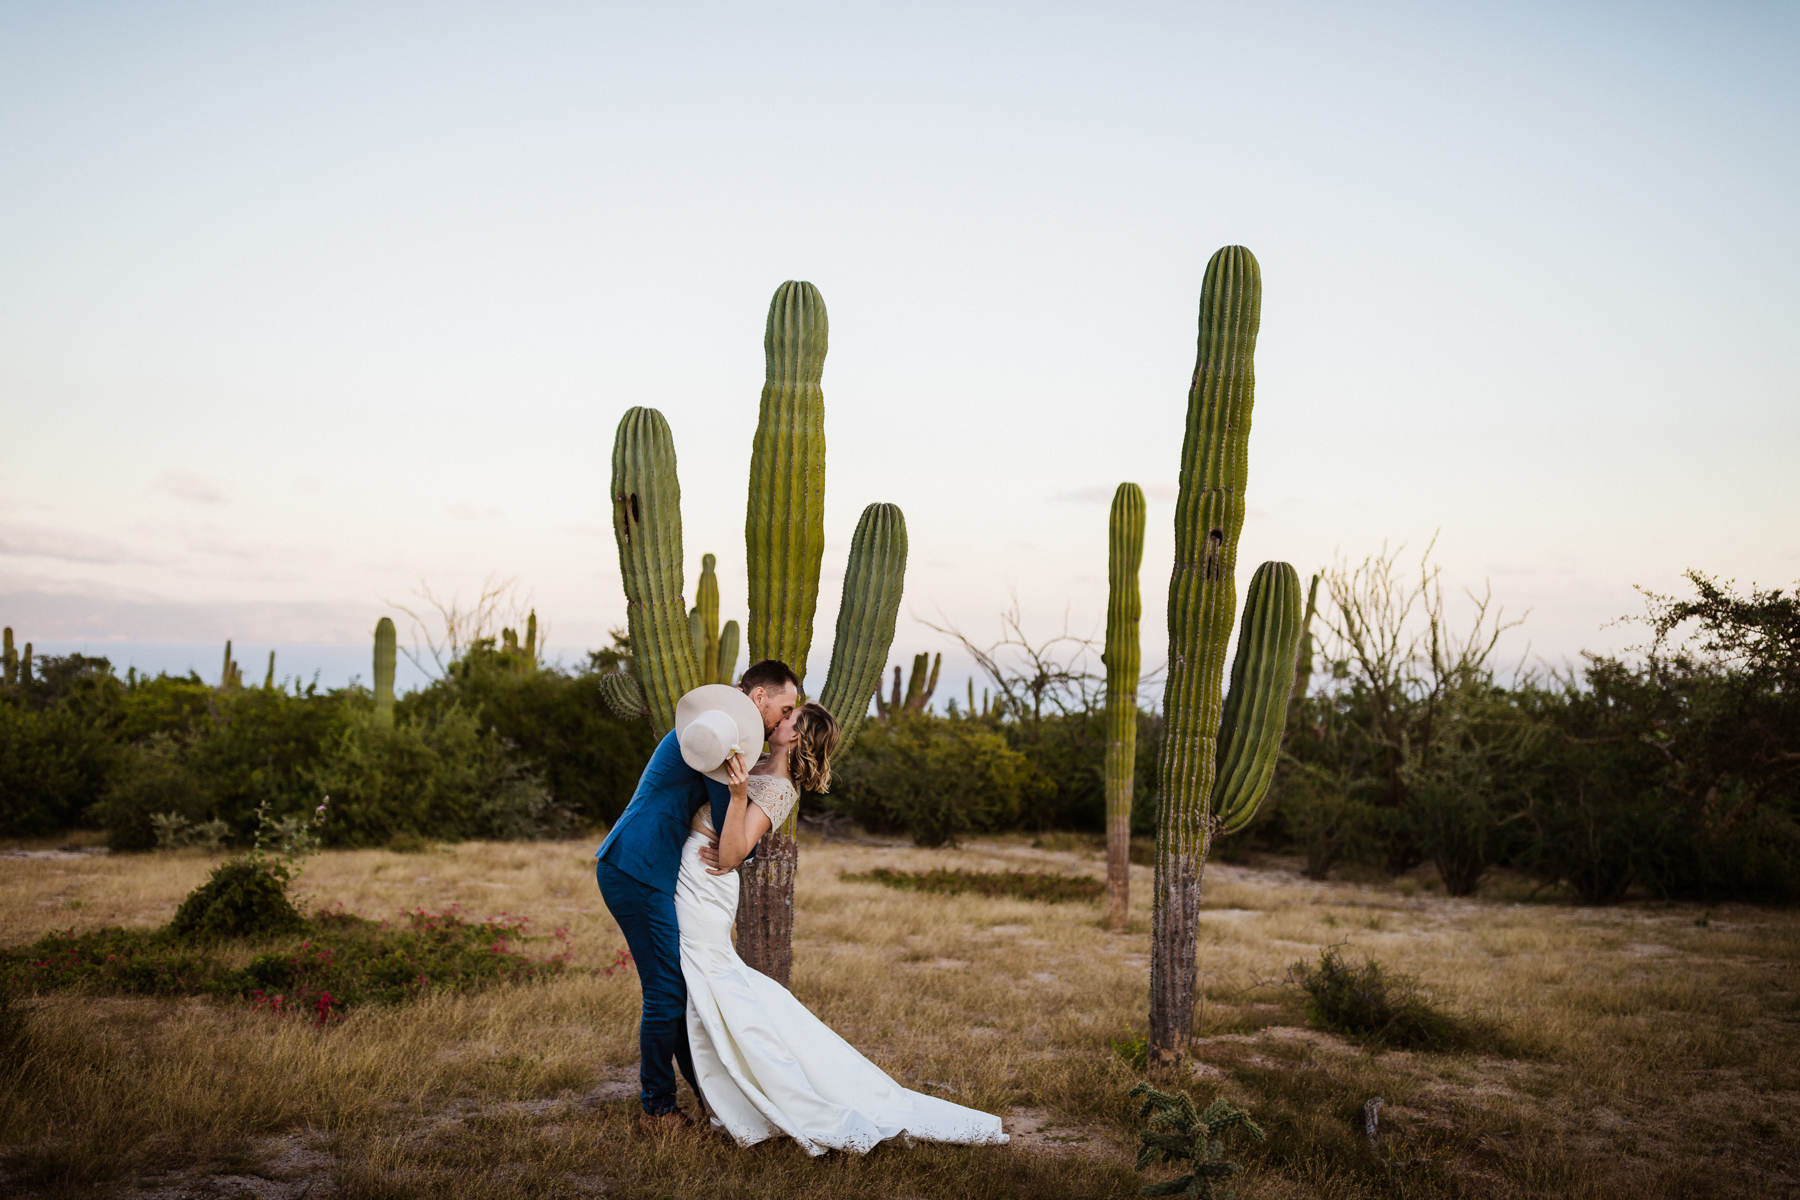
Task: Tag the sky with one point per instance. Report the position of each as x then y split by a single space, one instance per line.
308 309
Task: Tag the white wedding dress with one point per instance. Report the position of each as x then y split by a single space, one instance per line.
765 1064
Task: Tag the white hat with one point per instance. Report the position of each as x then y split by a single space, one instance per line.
713 722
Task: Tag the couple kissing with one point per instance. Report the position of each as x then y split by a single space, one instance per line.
759 1061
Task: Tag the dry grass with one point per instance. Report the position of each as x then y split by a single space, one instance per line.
1657 1047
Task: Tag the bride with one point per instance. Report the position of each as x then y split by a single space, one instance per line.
766 1065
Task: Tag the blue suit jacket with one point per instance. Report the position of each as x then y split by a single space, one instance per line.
645 842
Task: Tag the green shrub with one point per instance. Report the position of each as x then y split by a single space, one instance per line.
933 778
327 964
1021 885
52 763
438 776
1374 1006
243 898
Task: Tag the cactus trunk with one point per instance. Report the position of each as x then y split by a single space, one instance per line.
784 541
12 658
1209 515
1124 609
646 498
384 671
706 603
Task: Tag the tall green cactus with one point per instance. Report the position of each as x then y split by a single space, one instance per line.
1209 515
12 658
646 496
385 645
784 525
706 603
229 676
784 540
25 664
269 675
920 684
1124 609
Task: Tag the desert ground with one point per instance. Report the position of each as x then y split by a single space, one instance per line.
1645 1050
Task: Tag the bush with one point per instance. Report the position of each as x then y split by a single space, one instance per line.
52 764
436 776
323 966
933 778
1374 1006
245 897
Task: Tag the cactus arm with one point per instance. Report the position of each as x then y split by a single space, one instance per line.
622 695
784 525
646 496
726 669
531 637
873 579
706 603
697 636
1256 707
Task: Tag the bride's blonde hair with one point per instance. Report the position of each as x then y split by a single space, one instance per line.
816 736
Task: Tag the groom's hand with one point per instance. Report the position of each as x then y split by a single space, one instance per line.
709 854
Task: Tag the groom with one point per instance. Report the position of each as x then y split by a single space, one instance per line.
636 871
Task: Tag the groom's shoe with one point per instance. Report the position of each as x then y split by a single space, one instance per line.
663 1125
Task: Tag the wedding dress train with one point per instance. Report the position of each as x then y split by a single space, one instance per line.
766 1065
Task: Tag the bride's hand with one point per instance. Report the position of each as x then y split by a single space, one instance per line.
737 777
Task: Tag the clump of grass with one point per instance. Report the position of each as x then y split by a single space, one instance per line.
1375 1006
335 961
1022 885
1178 1132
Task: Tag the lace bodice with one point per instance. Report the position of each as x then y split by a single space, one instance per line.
776 795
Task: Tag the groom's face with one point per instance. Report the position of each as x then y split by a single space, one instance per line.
775 704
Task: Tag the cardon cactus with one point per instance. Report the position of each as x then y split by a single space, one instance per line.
646 497
1124 609
716 649
12 658
784 539
1209 514
920 684
269 675
384 670
229 676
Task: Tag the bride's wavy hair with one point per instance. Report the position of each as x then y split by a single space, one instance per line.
816 736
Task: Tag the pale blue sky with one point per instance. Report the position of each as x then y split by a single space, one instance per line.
301 305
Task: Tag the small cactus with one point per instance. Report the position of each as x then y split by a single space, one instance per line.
229 677
12 658
269 675
1124 609
385 645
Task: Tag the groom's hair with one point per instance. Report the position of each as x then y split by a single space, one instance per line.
770 673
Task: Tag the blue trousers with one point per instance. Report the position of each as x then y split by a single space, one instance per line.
647 918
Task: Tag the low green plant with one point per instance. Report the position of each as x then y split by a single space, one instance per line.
248 895
1021 885
1374 1006
174 832
326 964
1176 1131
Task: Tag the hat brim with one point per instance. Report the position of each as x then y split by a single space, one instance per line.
722 697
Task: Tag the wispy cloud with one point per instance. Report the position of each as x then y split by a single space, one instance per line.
66 545
185 485
90 611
